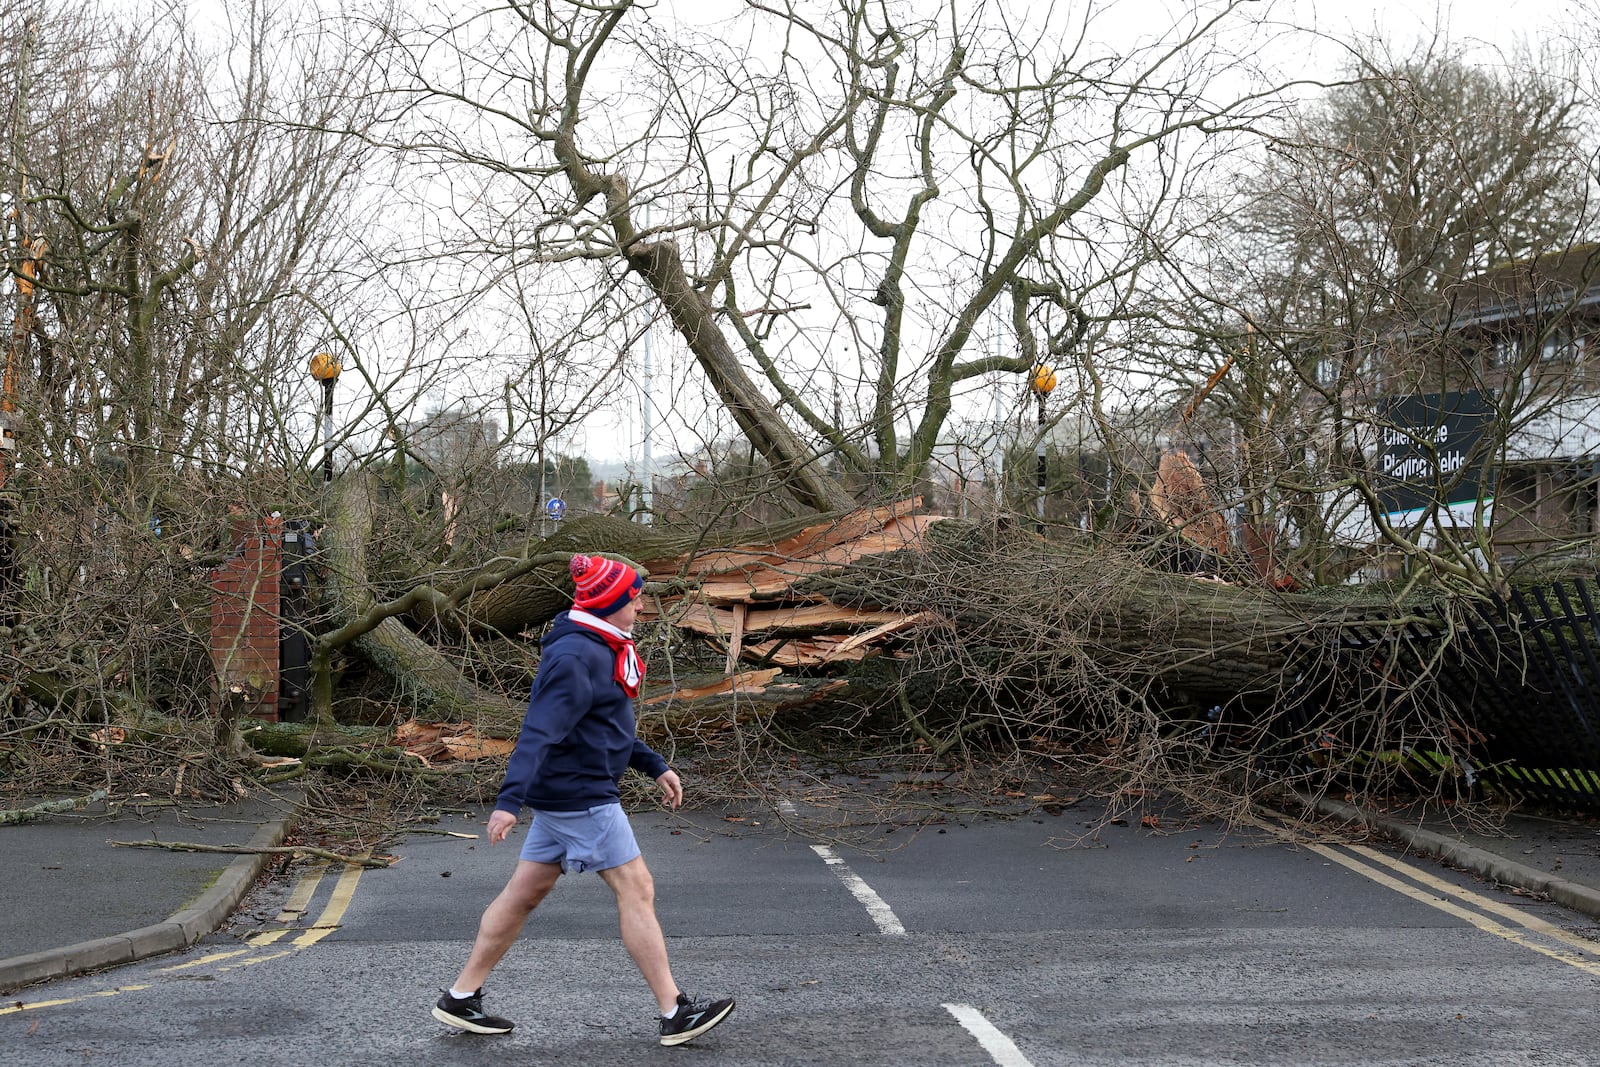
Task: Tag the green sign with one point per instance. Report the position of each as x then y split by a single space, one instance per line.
1430 450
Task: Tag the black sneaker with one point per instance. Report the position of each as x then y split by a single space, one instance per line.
693 1019
466 1013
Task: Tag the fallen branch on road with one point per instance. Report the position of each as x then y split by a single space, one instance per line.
265 850
51 807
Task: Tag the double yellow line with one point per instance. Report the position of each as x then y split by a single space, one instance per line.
294 909
1474 908
300 900
36 1005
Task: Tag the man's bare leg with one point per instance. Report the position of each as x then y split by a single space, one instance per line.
504 918
641 933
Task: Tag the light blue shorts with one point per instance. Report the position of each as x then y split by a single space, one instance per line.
593 840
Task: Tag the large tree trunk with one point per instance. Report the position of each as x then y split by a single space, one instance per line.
793 460
530 600
796 462
954 610
423 676
1086 614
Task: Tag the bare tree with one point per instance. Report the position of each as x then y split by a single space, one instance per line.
1339 277
888 204
188 219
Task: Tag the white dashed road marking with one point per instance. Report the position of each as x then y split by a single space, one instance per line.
877 908
1000 1048
880 912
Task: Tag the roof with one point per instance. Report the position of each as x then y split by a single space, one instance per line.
1554 282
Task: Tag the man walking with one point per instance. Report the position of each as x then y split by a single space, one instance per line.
576 743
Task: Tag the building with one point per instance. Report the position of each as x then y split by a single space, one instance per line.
1518 346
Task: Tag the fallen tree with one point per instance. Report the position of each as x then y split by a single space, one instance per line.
374 629
887 628
797 620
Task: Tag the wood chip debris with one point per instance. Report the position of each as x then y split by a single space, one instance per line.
747 601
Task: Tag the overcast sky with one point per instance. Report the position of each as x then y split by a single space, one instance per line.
1489 24
1490 20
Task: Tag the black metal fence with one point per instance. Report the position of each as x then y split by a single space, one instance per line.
1518 681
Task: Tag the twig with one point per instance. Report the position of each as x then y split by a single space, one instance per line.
287 776
35 727
266 850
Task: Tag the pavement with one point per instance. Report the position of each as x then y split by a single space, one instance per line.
74 901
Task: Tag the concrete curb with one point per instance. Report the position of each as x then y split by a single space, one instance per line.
1574 895
180 931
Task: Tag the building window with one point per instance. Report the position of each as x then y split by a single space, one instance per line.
1349 368
1505 351
1557 345
1585 507
1327 371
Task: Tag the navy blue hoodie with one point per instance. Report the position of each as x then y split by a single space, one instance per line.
578 737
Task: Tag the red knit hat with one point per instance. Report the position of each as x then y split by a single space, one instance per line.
604 585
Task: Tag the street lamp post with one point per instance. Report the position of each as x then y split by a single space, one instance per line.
1041 382
325 368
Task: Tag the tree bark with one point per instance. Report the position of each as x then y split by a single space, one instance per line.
530 600
425 678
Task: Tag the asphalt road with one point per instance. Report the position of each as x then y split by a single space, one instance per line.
1034 941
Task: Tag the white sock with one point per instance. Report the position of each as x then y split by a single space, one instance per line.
669 1014
454 992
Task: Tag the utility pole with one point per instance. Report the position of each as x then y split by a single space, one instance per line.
647 418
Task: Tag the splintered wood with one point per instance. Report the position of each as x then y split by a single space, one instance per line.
432 742
747 599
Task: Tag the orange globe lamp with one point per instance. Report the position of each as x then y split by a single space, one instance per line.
325 367
1042 380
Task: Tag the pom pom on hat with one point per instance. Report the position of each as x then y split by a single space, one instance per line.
603 585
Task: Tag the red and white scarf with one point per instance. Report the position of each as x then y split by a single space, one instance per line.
629 671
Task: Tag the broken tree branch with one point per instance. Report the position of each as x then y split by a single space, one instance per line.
50 807
264 850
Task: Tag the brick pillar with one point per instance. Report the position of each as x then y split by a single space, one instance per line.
245 613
